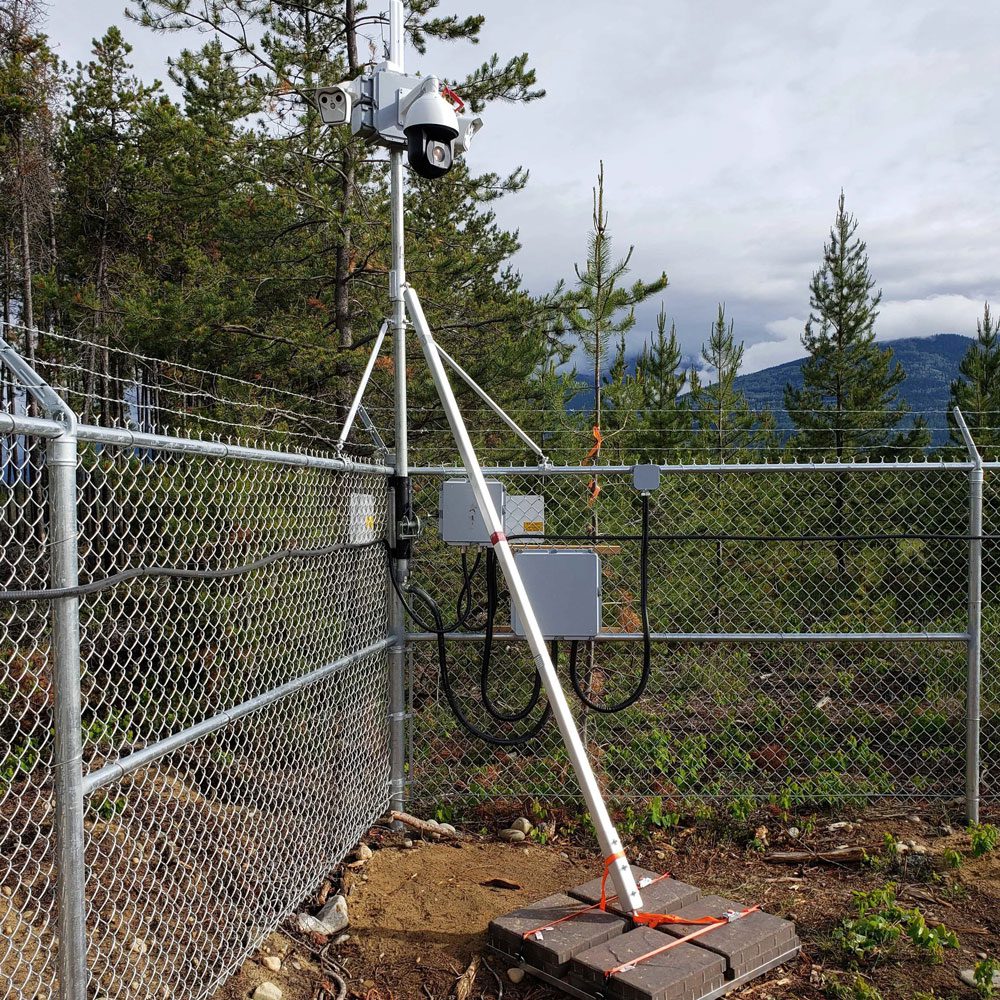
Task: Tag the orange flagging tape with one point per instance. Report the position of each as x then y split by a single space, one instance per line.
715 922
594 487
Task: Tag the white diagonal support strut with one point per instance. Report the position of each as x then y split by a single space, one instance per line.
491 403
362 386
620 872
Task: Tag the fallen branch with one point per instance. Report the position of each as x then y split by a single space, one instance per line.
424 827
835 856
465 982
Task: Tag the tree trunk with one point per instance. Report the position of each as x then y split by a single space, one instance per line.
342 265
27 296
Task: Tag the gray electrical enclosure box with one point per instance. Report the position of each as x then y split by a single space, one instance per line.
564 587
525 516
459 520
646 478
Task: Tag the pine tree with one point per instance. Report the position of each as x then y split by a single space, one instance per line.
849 403
727 427
103 151
604 307
623 396
29 87
667 418
977 389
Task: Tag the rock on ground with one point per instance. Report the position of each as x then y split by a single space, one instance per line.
267 991
332 919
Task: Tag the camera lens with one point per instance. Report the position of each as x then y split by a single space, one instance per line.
437 153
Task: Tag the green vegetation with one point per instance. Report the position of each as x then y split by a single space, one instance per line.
985 838
880 923
985 970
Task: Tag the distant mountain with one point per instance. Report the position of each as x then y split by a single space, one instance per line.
930 363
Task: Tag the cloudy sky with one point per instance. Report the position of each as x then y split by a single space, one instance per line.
727 130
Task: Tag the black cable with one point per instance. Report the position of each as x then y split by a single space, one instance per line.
146 572
647 645
484 672
758 538
453 703
465 594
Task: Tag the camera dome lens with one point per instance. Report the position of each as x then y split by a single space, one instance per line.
437 153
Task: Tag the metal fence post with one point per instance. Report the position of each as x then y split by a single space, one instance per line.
400 565
397 674
68 766
973 693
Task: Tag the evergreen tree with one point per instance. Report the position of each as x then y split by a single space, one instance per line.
727 428
849 403
977 389
104 165
667 418
29 88
623 396
604 306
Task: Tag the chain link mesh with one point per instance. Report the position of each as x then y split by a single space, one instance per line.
755 558
194 857
27 873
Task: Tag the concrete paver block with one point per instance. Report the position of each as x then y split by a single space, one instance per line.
665 896
746 944
551 949
681 973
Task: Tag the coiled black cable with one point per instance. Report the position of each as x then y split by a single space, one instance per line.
647 645
463 720
484 673
438 628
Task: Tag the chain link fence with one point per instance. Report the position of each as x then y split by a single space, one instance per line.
221 611
810 630
197 699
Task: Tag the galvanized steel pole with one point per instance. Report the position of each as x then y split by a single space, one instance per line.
68 748
397 616
973 691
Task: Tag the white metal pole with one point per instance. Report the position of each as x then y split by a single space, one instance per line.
490 402
362 385
973 691
620 872
401 566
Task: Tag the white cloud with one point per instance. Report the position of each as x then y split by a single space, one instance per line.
728 131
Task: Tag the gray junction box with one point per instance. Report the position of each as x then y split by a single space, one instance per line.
564 588
459 520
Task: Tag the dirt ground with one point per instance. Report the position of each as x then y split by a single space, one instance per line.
419 914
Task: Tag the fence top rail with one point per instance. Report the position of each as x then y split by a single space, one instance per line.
219 449
16 423
762 468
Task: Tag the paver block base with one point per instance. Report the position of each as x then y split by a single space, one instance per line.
682 973
552 947
746 944
576 955
660 895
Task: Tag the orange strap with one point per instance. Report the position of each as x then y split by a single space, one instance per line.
602 905
714 922
596 450
608 862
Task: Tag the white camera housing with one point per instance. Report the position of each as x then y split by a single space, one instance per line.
401 111
431 128
335 104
